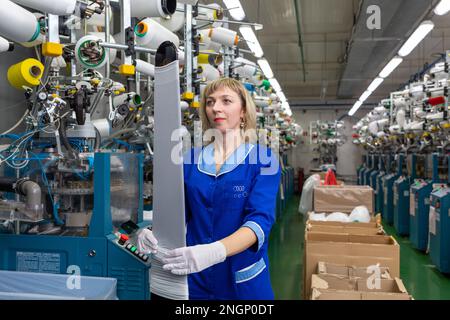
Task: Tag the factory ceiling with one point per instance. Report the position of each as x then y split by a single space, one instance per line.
323 52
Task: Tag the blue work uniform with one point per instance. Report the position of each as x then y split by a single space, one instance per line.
242 194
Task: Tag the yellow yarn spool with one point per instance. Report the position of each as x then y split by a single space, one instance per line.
26 73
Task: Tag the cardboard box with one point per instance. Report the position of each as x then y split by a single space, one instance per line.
336 287
346 229
348 249
375 223
342 198
350 271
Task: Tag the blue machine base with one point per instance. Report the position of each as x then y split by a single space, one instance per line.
418 228
96 257
401 207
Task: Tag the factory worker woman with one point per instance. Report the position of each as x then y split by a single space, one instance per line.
231 186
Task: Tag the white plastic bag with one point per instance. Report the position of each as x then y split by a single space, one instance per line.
360 214
307 194
338 217
317 216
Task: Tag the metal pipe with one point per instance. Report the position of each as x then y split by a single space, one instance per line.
32 191
258 25
124 47
107 39
300 40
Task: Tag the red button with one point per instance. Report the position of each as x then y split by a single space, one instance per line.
124 237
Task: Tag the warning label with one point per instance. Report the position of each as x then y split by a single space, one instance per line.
38 262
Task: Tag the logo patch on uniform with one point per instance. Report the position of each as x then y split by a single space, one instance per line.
239 192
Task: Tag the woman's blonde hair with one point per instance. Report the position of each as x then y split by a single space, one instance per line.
247 102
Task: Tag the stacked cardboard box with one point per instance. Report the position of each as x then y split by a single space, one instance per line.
342 198
339 287
357 250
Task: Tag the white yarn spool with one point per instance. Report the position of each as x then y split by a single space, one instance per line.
262 102
88 40
224 36
5 45
18 24
175 22
206 43
151 34
382 123
58 7
153 8
213 12
131 99
400 102
379 109
401 118
373 127
246 69
145 68
184 105
209 73
98 20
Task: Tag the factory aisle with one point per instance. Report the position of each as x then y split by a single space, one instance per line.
286 253
421 278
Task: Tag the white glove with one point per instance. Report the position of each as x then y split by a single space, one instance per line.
146 242
186 260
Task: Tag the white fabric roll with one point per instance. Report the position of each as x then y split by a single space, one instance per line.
17 24
151 8
154 35
58 7
145 68
224 36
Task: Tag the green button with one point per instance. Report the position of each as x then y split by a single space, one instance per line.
133 249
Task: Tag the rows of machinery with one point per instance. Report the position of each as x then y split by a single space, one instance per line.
77 168
406 140
328 136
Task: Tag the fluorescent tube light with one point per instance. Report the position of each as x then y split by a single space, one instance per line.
394 63
252 41
421 32
375 84
355 108
442 8
235 9
275 85
265 67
